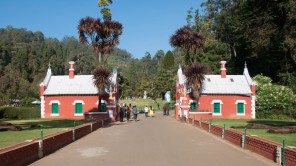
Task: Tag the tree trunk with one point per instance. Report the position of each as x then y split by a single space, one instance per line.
100 57
196 94
99 106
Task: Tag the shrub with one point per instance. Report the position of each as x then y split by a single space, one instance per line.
273 100
19 112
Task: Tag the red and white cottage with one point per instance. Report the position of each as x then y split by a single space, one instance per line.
75 97
222 97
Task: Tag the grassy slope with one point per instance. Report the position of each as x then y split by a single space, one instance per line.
290 138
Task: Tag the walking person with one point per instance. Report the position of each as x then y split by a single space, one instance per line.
146 109
151 112
121 114
128 113
167 110
135 112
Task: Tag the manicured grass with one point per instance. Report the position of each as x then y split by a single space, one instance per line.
290 138
141 103
49 126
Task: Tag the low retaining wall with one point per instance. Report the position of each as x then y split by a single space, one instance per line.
266 148
26 153
22 155
54 142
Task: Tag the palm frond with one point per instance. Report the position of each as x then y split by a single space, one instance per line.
195 74
101 79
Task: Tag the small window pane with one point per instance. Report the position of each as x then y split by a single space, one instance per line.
54 108
192 106
78 108
240 108
217 108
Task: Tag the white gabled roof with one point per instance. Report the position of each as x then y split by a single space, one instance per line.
232 84
62 85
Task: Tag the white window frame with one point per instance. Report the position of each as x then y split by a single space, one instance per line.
54 102
77 102
217 101
241 101
102 101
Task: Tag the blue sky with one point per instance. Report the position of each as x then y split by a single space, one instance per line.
147 24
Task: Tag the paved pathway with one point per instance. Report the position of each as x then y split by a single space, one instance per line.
158 141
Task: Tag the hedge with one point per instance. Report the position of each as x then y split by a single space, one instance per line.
19 112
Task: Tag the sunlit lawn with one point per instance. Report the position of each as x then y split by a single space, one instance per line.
48 126
141 103
290 138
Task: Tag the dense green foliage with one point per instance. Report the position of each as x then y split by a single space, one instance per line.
19 112
25 55
274 101
261 33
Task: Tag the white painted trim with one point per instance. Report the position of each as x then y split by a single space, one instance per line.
54 101
200 112
78 101
185 106
78 114
217 101
94 113
102 101
42 106
192 101
111 106
54 114
241 101
253 107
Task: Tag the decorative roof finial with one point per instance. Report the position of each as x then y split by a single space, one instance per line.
245 64
49 65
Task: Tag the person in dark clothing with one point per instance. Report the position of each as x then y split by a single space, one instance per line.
121 114
128 114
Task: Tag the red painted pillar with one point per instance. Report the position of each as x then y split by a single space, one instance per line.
111 109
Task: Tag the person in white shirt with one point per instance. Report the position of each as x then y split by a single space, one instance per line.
146 111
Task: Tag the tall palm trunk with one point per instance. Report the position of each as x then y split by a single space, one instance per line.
196 94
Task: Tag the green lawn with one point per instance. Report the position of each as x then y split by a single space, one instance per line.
290 138
48 126
141 103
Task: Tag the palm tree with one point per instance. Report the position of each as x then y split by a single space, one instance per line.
195 74
102 36
101 81
189 40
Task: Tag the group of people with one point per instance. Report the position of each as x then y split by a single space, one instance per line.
125 111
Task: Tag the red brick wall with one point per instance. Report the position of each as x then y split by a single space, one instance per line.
217 130
67 109
24 154
82 131
205 126
290 157
233 136
200 116
19 156
228 108
262 147
54 142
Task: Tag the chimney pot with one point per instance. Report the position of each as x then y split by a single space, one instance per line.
71 69
223 69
